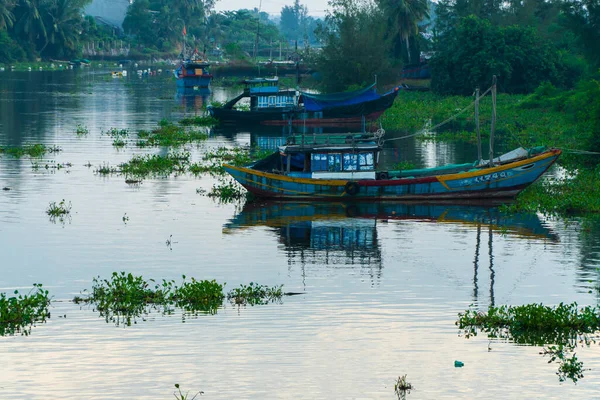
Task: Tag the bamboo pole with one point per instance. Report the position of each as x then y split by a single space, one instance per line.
493 128
479 152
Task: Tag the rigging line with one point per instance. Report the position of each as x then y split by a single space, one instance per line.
433 128
582 152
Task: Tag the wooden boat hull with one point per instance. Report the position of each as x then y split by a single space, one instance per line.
190 82
504 181
351 114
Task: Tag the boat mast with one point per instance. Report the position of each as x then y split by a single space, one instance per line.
493 128
479 153
183 34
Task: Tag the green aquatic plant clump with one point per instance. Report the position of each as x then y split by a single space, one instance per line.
227 192
561 329
199 120
20 312
58 210
205 296
155 165
34 150
532 323
124 297
169 134
255 294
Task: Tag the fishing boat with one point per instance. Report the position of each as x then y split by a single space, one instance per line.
193 74
270 105
347 167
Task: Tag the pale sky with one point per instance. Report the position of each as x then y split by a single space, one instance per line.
316 8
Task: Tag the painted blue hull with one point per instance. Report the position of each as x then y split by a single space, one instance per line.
191 82
504 181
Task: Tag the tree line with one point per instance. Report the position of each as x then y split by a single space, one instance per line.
523 42
32 29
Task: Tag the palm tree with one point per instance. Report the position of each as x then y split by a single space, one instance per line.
63 22
404 17
30 24
7 18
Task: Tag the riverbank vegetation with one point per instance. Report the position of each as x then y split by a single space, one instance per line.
19 313
550 117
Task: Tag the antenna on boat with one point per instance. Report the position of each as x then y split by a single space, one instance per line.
493 128
479 153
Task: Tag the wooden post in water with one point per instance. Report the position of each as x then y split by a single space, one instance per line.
479 152
493 128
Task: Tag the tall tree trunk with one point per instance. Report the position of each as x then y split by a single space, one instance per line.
407 48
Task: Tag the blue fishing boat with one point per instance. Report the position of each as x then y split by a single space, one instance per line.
270 105
346 167
193 74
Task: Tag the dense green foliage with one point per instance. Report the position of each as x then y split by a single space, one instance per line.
158 26
476 50
296 24
20 312
31 28
356 45
403 18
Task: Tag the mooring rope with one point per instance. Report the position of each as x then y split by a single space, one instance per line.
433 128
581 152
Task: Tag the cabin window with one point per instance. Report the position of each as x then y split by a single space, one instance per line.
350 162
262 101
272 101
326 162
318 162
365 161
334 162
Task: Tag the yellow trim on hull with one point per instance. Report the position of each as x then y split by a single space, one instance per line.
500 168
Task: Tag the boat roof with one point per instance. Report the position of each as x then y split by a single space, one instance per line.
349 142
196 63
255 81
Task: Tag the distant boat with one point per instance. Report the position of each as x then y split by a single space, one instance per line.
193 74
270 105
346 167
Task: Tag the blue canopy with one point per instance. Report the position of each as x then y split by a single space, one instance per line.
319 102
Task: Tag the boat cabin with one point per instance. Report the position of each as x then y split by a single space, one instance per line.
264 94
195 68
350 156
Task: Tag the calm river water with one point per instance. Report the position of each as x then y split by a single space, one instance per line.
382 284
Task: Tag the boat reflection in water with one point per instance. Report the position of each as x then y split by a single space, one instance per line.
341 234
192 100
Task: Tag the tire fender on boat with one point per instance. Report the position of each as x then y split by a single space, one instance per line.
382 176
352 188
